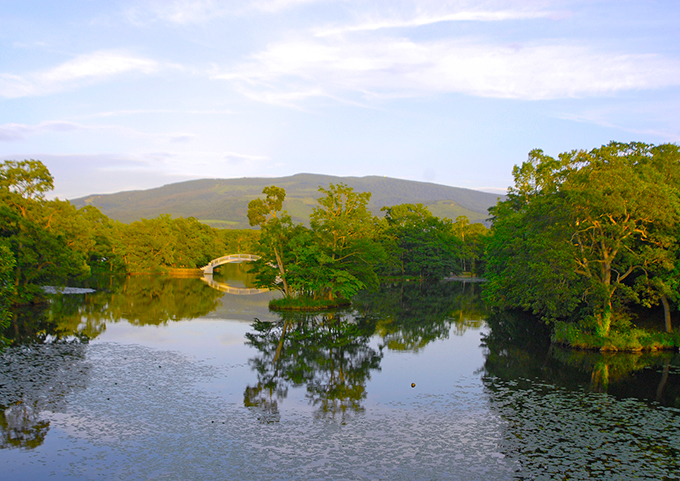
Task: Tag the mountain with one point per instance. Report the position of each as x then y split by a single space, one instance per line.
224 202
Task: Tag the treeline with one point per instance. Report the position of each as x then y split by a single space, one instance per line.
346 248
46 242
51 242
587 239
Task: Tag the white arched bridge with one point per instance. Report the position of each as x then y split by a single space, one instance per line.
228 259
220 286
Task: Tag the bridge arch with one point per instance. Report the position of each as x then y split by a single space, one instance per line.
208 270
231 258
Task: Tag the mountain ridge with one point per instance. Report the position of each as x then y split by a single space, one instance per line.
224 202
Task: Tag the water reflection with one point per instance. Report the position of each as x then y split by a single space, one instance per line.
140 300
34 380
580 414
518 348
411 315
327 353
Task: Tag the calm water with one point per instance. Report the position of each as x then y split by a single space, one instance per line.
181 381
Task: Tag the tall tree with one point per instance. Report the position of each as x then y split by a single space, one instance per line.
427 246
575 230
347 233
275 228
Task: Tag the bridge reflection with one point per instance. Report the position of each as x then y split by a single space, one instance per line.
239 291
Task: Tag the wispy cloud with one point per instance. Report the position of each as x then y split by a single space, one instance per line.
423 19
237 158
124 113
12 132
604 118
397 67
83 69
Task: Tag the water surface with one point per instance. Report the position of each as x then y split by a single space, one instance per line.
180 381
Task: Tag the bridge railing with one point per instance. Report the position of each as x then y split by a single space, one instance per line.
208 269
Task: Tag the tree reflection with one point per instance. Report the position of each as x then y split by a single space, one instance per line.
573 414
411 315
328 353
33 380
518 348
141 300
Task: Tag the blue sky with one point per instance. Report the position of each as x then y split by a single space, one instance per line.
132 94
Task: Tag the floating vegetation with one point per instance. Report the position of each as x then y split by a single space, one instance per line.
555 433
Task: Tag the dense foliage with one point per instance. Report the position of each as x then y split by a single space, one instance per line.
346 249
50 242
583 238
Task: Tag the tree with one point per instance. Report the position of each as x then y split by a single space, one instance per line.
347 234
575 230
275 231
618 201
27 180
46 243
472 238
427 246
7 263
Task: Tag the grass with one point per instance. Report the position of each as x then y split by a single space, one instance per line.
634 339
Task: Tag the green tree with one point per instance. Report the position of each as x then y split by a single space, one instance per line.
347 234
196 244
472 241
47 241
149 245
575 231
426 244
7 263
275 231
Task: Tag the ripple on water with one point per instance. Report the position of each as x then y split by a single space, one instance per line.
143 415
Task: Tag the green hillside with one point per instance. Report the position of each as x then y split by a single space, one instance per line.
224 202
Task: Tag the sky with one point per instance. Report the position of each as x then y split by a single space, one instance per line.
134 94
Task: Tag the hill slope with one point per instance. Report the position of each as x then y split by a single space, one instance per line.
224 202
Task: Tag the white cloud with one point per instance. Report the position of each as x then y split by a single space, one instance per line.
82 69
125 113
396 67
182 12
274 6
632 121
237 158
14 132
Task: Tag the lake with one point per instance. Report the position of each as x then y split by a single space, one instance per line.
157 378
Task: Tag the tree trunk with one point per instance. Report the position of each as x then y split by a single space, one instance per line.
282 272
